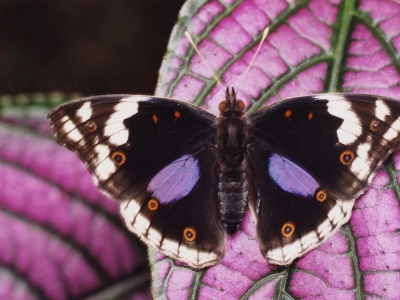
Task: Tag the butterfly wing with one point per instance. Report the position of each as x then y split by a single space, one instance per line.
308 159
158 158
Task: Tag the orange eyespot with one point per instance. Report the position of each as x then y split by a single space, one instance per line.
310 115
374 125
222 106
347 157
155 119
177 114
321 195
288 229
288 113
118 157
92 126
189 234
152 204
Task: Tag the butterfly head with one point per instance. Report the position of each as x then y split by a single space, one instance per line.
231 106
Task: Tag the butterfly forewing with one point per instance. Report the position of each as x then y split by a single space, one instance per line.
308 159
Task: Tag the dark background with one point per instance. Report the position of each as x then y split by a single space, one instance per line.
89 47
85 46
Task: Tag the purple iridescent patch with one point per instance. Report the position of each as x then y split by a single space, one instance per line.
290 177
176 180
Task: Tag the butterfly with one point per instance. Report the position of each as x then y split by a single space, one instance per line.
184 177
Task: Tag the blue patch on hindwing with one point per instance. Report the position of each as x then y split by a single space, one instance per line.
176 180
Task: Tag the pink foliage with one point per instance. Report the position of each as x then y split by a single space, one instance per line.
363 260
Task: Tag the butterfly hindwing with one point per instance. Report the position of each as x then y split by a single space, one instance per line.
157 157
169 224
294 213
308 159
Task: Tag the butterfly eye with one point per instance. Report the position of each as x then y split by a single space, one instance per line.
321 195
152 204
189 234
287 229
241 105
119 158
374 125
222 106
92 127
347 157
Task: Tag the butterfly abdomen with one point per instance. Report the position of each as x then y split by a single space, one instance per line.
232 196
232 187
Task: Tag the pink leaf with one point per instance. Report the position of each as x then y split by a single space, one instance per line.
313 46
60 237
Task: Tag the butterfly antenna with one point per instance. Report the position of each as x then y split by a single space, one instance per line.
189 37
264 36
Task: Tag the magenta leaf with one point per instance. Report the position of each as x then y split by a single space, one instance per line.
313 47
60 238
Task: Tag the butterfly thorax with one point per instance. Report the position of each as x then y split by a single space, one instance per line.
232 141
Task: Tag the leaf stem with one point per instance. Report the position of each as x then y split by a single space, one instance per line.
383 39
194 290
343 22
351 241
280 82
392 172
262 281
